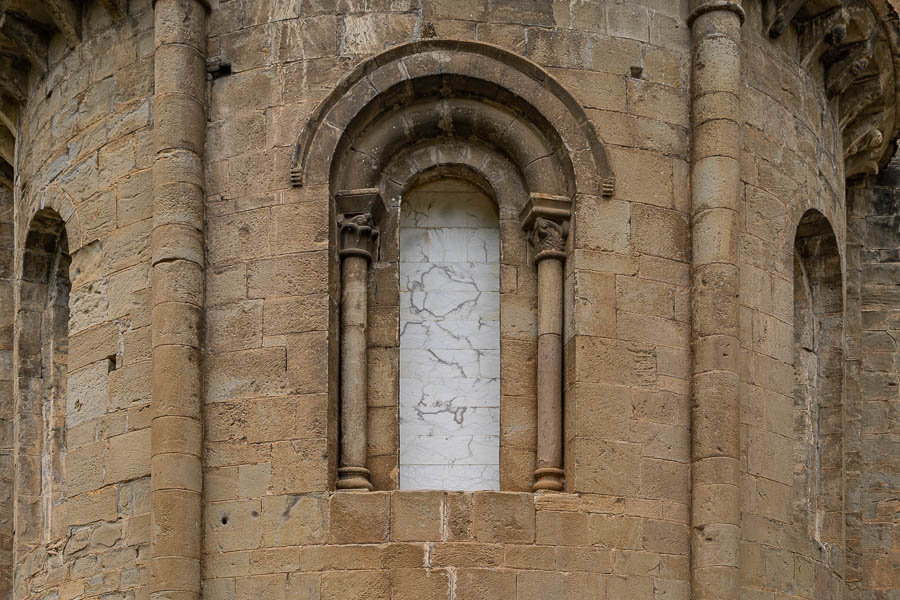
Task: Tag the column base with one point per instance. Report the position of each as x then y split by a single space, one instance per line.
354 478
548 479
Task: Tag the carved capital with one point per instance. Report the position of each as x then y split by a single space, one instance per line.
549 239
546 219
358 235
359 212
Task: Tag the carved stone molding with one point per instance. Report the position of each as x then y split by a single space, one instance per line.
358 235
359 212
546 220
856 42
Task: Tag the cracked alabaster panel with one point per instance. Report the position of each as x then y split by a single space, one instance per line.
449 339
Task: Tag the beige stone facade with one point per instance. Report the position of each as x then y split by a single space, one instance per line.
201 298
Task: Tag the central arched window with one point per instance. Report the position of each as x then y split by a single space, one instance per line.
431 154
449 338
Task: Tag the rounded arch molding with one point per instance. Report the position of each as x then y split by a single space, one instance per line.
452 89
503 123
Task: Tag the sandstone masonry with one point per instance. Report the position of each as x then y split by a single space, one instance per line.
696 289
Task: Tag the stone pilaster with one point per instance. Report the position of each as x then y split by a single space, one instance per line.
715 223
358 235
177 272
546 219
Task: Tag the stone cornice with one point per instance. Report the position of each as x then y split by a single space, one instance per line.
857 42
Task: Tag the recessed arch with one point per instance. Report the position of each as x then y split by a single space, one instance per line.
422 88
819 377
435 107
41 349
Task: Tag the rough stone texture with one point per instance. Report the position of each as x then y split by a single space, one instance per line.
811 343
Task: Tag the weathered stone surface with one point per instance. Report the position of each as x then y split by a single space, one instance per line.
691 279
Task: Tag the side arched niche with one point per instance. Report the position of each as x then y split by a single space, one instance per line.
7 401
41 349
819 380
441 109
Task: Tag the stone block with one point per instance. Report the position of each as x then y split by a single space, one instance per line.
356 585
420 584
234 525
588 559
128 456
659 232
416 516
529 557
235 326
359 518
666 537
88 393
562 528
615 531
504 517
461 554
485 584
264 587
299 466
294 520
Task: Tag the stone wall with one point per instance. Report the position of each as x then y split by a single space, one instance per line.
273 525
872 456
270 424
791 164
83 161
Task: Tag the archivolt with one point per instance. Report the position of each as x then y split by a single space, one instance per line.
455 90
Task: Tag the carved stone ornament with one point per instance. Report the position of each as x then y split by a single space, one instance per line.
549 239
359 212
358 235
852 40
546 219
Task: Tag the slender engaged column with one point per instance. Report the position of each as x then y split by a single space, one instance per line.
547 220
358 235
715 224
177 277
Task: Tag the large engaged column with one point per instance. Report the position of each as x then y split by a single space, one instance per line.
357 238
547 220
177 278
715 222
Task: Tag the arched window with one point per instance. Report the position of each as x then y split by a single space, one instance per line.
449 338
818 367
476 113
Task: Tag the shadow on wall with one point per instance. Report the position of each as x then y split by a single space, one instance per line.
819 376
7 405
41 349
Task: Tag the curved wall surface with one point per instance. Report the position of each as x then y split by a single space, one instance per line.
694 289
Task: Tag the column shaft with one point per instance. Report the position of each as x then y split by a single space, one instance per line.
354 377
177 278
549 473
715 223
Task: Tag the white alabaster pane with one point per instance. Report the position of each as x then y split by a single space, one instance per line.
450 450
461 478
441 362
435 391
449 342
448 334
450 277
450 244
450 420
448 210
484 246
449 306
